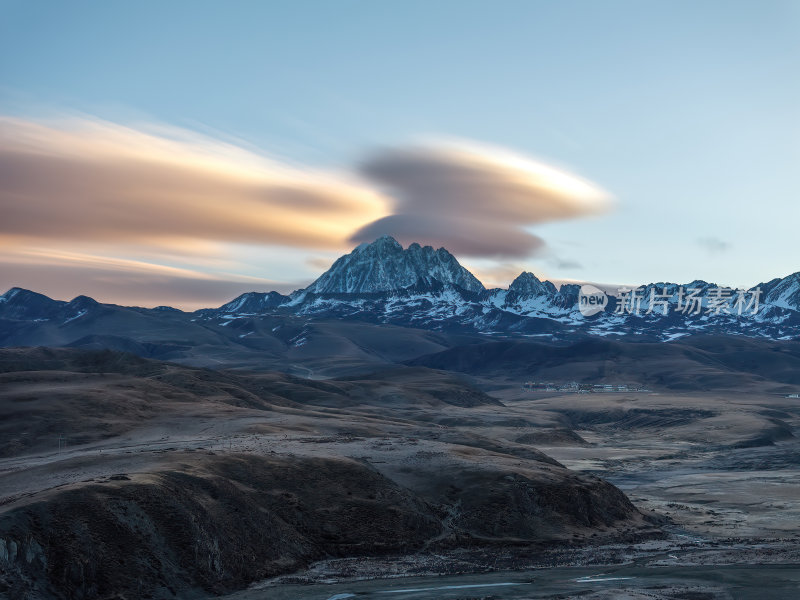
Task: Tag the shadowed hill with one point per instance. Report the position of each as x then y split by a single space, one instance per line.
127 477
704 362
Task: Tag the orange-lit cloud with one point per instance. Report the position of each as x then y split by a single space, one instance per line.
475 200
91 180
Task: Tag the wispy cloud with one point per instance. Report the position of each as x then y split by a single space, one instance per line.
565 264
713 245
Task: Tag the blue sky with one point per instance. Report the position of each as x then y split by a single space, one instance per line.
687 113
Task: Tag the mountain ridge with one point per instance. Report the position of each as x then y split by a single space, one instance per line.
427 288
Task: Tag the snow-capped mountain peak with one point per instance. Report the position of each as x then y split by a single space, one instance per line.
253 303
783 293
527 284
384 266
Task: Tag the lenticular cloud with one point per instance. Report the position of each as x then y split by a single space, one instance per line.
474 200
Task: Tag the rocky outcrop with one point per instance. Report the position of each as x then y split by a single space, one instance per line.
214 524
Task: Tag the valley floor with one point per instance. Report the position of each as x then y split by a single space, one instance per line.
716 476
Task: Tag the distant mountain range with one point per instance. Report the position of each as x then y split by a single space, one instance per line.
424 288
427 288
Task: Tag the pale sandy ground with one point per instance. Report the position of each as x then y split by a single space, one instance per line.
692 472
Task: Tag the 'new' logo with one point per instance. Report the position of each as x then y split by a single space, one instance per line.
591 300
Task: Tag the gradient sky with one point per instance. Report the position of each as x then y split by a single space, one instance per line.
281 130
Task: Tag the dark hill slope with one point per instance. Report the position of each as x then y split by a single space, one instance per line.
694 363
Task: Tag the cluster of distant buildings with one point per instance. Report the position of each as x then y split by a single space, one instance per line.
580 388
